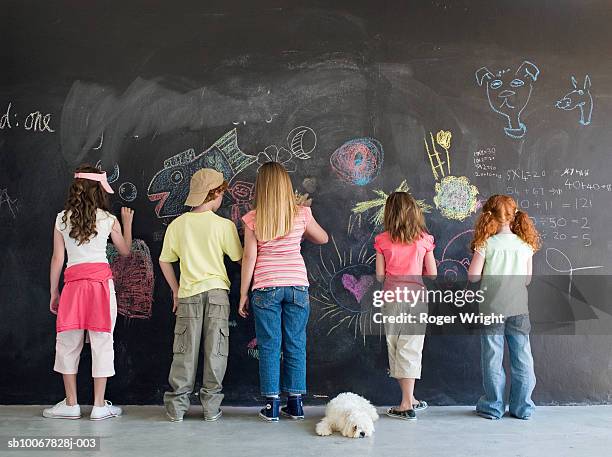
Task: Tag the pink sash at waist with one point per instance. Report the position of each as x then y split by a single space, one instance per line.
85 300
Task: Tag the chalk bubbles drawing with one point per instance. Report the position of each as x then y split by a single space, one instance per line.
377 205
301 142
170 186
558 261
358 161
134 281
339 282
9 203
455 197
579 97
509 92
128 191
113 176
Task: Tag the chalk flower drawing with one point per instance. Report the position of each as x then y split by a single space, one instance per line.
455 197
378 204
301 141
281 155
443 138
508 94
578 97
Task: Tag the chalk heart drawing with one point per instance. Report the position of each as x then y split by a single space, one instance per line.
579 97
455 197
358 161
508 93
170 186
358 287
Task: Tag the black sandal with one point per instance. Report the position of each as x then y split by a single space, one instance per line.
420 406
407 415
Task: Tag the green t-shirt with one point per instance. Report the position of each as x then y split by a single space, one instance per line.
199 241
504 274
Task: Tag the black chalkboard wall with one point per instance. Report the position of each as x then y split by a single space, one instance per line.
347 94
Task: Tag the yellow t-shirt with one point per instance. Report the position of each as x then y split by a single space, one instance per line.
199 241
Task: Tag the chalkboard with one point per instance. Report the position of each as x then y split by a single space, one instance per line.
451 100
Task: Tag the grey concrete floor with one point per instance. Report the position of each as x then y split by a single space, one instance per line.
575 431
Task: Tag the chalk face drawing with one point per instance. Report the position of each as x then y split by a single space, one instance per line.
301 142
128 191
9 203
170 186
377 205
508 93
579 97
358 161
242 194
134 281
455 197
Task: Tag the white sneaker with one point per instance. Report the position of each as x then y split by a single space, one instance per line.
107 411
63 411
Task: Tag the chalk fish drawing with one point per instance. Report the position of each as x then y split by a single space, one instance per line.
134 281
509 92
358 161
579 97
170 186
378 204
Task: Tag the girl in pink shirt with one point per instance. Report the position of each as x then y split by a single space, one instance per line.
404 251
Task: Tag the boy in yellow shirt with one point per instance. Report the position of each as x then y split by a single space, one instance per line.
199 240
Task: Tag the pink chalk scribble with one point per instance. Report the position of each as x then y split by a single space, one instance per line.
252 349
133 278
357 287
242 194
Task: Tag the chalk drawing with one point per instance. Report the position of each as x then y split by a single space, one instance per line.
242 194
252 349
281 155
99 146
455 197
358 161
170 186
453 268
128 191
7 202
558 261
508 93
302 141
378 205
443 138
114 176
339 282
134 281
578 97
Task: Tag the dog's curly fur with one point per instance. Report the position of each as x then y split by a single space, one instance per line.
349 414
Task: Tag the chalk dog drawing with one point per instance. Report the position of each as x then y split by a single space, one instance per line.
10 203
455 197
378 205
301 141
558 261
509 92
134 281
358 161
340 281
579 97
170 186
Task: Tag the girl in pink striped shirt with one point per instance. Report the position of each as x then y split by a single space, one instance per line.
273 269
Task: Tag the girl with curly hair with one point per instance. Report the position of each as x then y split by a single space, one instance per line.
504 242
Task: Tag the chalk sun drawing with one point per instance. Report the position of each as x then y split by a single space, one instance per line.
170 186
579 97
508 93
128 191
134 281
377 205
9 203
358 161
455 197
340 281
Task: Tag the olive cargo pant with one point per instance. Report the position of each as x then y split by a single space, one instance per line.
200 317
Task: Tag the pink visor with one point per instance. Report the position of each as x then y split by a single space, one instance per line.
100 177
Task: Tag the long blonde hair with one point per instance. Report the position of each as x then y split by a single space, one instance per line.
404 220
275 203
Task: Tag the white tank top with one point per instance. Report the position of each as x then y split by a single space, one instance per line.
93 251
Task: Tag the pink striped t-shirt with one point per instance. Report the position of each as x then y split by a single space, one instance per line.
279 261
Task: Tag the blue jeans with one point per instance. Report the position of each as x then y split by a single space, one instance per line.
281 317
515 331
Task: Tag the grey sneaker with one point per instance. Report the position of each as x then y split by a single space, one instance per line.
63 411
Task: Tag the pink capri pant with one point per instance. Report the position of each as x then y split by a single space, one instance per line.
69 344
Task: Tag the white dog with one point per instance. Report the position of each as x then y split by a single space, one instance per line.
349 414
